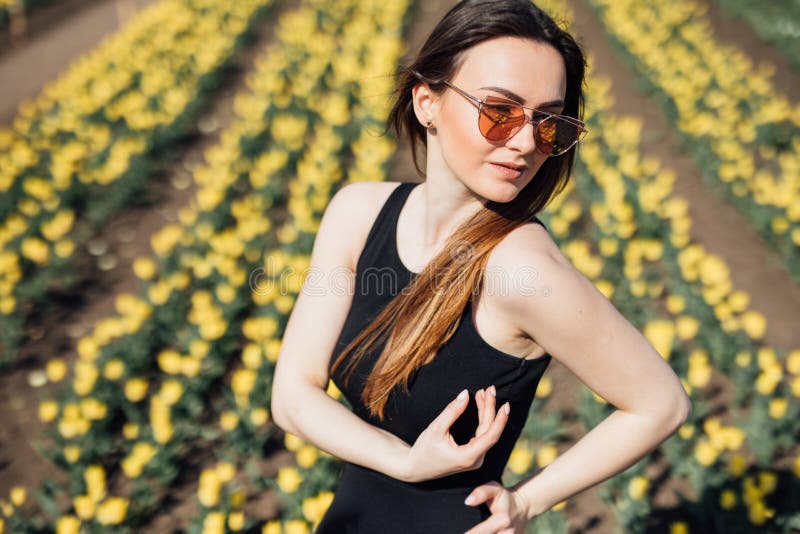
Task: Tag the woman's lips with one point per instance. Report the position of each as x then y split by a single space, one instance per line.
507 172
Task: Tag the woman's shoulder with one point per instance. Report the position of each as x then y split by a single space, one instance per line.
525 260
527 242
529 276
357 193
353 209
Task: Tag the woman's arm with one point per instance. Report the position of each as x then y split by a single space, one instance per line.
329 425
612 446
300 404
566 315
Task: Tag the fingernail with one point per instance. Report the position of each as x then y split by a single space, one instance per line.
507 408
469 500
462 395
493 391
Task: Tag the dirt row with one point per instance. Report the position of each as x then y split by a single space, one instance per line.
717 225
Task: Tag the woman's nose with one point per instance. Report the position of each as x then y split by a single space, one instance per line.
524 139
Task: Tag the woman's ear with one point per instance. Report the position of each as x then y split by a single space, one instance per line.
426 104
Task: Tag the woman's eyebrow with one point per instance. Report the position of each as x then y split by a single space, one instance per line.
515 96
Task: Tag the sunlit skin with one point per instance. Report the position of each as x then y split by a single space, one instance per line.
459 176
573 321
577 325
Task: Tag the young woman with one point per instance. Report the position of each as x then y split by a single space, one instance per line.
419 291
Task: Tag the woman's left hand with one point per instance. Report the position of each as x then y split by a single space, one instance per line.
508 510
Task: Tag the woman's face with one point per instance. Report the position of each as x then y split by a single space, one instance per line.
534 71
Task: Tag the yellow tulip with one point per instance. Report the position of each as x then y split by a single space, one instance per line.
793 362
130 430
307 456
637 487
754 324
236 521
169 361
226 471
705 453
114 369
68 524
727 499
547 453
92 408
289 479
777 407
144 268
521 459
18 494
661 335
72 453
209 487
737 465
95 478
135 389
214 523
48 410
85 506
228 420
675 304
112 511
56 369
171 391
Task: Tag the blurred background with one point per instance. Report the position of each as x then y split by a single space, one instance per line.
164 163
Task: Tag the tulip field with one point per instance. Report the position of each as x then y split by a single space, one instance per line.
155 415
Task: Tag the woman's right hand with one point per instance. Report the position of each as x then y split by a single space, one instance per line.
435 453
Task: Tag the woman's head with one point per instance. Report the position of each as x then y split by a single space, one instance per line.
509 44
505 43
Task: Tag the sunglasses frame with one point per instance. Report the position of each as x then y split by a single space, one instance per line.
532 119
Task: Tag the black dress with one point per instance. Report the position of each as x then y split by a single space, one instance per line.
368 501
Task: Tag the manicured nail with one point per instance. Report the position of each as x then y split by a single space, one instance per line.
507 408
469 500
462 395
493 391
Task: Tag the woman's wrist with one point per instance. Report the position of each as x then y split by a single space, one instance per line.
397 459
523 505
526 499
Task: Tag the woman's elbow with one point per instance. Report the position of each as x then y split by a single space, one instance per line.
681 410
277 408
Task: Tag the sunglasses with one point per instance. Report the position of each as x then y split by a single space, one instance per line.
500 119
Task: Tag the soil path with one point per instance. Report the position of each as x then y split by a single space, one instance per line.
732 31
57 37
717 225
124 237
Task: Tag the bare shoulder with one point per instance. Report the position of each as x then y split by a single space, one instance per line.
548 299
352 211
529 266
524 253
557 306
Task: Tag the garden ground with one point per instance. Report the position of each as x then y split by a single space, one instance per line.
55 39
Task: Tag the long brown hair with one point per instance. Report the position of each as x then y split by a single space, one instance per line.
425 314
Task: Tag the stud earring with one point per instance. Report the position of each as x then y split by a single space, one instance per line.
429 123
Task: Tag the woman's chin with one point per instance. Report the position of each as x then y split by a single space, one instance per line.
502 192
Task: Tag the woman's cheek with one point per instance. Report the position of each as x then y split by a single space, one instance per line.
465 149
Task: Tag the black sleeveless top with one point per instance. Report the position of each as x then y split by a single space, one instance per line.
465 361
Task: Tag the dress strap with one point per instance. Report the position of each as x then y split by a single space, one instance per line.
536 219
376 252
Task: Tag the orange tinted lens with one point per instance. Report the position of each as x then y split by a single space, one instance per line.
555 135
499 119
546 136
